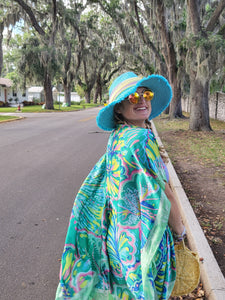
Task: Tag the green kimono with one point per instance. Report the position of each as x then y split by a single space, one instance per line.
119 245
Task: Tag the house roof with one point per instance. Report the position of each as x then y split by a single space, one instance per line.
35 89
39 89
6 82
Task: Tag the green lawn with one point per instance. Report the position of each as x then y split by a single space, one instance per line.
38 108
207 147
6 118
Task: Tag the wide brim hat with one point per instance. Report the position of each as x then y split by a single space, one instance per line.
126 84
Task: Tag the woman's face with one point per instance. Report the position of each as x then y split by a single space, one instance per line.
136 114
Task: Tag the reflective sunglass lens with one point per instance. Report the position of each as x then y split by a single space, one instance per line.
148 95
133 98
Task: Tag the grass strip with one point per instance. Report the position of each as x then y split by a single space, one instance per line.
207 148
38 108
7 118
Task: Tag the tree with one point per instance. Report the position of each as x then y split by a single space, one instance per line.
9 15
205 54
100 53
111 61
103 78
134 18
30 65
131 42
69 45
44 21
170 56
1 52
12 59
191 45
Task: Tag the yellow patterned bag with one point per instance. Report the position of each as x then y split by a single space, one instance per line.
188 270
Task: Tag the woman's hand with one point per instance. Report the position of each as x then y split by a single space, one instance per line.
175 220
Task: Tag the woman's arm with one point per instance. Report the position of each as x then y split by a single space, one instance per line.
175 220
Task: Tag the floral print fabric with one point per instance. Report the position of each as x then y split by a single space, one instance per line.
118 244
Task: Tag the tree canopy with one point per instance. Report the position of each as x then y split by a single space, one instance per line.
88 42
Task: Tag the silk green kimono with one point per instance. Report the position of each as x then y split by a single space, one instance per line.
118 244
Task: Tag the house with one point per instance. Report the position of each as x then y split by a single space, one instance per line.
5 90
36 93
74 97
9 95
55 93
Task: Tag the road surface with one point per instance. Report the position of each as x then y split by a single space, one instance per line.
44 160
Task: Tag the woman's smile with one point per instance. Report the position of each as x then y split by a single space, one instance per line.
142 108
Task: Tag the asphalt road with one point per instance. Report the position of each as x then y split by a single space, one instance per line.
44 160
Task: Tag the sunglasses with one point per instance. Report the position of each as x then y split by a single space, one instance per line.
134 98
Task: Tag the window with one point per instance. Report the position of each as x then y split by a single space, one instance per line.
14 93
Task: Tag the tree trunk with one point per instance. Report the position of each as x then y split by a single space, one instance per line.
67 94
98 92
169 55
199 115
193 13
88 96
167 110
48 91
175 110
199 70
96 95
1 51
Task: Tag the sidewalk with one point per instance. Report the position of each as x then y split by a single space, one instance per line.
211 276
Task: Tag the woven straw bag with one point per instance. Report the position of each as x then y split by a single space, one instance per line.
188 270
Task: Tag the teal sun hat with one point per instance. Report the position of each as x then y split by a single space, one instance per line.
127 84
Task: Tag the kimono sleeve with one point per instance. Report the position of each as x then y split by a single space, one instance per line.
143 149
156 166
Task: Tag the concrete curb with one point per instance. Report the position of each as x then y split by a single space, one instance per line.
211 276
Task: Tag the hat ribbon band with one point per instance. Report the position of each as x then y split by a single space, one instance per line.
126 84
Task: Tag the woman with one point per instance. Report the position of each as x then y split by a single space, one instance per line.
119 243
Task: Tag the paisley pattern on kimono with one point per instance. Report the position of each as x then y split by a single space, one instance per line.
118 244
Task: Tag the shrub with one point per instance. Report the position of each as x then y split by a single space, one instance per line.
36 101
82 102
28 103
25 103
4 104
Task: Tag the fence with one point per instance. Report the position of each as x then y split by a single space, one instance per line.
216 106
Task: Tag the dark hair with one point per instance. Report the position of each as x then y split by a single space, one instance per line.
118 118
